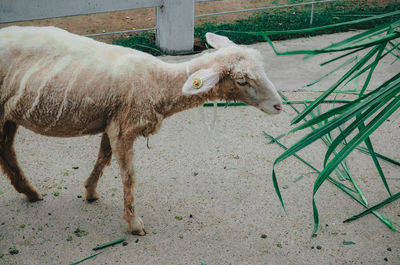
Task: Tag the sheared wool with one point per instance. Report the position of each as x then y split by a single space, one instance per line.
60 84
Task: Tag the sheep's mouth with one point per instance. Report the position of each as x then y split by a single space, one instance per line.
266 106
271 112
271 108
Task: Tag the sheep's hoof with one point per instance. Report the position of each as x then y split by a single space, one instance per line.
140 232
34 197
91 197
136 225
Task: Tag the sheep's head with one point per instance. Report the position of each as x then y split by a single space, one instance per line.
237 74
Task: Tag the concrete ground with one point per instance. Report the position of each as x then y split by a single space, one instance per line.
205 198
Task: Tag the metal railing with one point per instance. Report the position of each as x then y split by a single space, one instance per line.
174 18
223 13
312 3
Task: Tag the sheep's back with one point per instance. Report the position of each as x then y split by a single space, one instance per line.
55 81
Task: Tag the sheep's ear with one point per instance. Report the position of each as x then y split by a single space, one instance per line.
200 81
217 41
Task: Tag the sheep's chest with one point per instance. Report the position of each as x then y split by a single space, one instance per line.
152 125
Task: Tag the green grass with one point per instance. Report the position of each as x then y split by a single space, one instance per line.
279 20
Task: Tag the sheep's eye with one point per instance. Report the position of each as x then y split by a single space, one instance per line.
242 83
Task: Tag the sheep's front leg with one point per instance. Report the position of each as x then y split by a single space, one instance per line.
122 148
103 159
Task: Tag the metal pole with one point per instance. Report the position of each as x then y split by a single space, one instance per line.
312 13
119 32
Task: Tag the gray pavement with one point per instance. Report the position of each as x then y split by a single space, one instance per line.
205 198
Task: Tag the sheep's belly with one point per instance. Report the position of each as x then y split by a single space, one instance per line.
53 120
53 115
71 129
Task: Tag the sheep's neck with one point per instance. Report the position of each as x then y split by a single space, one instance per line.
172 100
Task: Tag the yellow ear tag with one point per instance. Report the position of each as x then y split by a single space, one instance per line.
197 83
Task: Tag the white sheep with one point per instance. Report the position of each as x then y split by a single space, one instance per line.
59 84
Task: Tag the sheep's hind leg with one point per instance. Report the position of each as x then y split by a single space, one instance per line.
103 159
9 163
123 150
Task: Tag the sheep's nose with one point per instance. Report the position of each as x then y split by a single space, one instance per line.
278 107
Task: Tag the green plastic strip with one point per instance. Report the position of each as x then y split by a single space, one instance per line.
111 243
90 257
